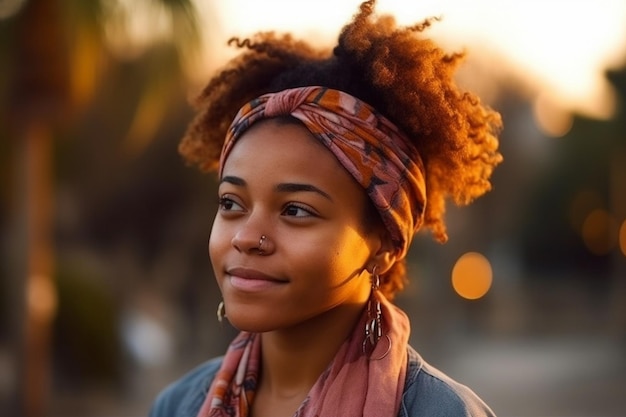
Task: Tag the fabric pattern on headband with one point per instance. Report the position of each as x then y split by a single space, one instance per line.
369 146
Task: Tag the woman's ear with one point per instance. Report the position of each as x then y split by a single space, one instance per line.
384 255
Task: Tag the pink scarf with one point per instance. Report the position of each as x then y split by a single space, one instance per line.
354 385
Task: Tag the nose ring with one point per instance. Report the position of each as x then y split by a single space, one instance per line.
261 242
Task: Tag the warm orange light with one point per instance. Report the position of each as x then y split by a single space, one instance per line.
41 298
472 276
598 232
85 67
551 119
148 116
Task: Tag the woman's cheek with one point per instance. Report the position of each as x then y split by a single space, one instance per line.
217 240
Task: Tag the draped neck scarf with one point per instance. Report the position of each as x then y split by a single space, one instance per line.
368 145
355 384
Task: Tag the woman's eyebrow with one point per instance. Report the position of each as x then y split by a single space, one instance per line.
287 187
295 187
233 180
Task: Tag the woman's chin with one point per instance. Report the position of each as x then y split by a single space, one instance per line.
248 323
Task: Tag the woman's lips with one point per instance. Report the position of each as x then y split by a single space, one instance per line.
251 280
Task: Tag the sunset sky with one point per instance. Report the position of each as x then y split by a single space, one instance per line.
558 50
558 47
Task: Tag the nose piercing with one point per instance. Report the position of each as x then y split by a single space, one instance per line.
261 242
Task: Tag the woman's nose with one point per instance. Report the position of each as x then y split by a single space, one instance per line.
253 240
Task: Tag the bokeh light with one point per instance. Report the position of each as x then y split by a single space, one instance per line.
552 120
472 276
598 232
41 298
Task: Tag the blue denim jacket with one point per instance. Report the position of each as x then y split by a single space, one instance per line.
428 392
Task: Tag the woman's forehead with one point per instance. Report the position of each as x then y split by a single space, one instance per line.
281 138
287 153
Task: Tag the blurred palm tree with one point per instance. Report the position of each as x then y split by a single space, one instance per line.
58 51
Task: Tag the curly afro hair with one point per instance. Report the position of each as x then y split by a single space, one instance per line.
404 75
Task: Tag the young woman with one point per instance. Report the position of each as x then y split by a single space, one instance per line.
328 163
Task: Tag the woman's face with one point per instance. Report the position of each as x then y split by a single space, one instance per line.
279 181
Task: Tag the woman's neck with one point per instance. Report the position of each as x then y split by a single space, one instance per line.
294 358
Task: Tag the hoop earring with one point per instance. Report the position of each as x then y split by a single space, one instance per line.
373 324
221 312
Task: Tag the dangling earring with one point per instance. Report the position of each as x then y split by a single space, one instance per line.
221 312
373 325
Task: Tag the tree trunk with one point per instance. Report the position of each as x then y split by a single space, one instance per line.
39 99
39 289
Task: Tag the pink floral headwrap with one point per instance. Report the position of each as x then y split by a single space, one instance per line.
369 146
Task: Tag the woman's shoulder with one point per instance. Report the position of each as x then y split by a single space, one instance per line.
430 392
185 396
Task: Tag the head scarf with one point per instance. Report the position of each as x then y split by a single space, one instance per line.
369 146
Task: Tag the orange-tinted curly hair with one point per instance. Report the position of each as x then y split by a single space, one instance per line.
404 75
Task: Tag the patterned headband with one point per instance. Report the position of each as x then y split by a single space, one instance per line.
369 146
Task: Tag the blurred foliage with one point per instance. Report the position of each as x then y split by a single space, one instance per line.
582 162
115 121
87 343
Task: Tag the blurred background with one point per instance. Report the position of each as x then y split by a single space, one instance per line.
106 292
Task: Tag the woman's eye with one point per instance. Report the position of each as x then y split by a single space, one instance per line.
228 204
296 211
